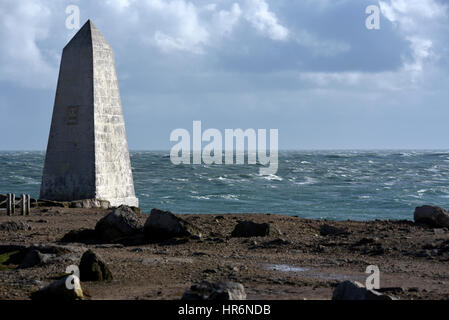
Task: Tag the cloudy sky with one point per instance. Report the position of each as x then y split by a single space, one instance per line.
309 68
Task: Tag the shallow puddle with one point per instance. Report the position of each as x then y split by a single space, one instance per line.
310 273
284 268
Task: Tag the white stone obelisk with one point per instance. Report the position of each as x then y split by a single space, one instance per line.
87 153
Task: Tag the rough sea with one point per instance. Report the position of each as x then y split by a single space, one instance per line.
336 185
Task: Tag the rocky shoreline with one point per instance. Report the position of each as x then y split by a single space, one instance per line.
167 256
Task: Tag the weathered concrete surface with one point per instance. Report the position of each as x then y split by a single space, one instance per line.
87 153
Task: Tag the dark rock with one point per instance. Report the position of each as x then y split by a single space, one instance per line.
80 236
353 290
209 271
215 291
164 225
326 230
276 243
92 268
14 226
34 258
52 249
395 290
365 241
250 229
122 222
58 291
432 216
376 250
35 255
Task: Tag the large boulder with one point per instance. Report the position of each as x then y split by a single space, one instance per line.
122 222
432 215
215 291
163 225
353 290
33 258
82 235
60 291
328 230
92 268
250 229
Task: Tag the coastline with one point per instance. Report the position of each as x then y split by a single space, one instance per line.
299 259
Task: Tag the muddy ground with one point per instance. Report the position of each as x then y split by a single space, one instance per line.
300 259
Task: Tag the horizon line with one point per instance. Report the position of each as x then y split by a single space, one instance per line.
283 149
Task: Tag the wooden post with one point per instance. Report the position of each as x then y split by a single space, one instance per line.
8 204
22 204
13 203
28 204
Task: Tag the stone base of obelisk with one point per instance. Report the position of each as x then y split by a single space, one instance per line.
130 201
